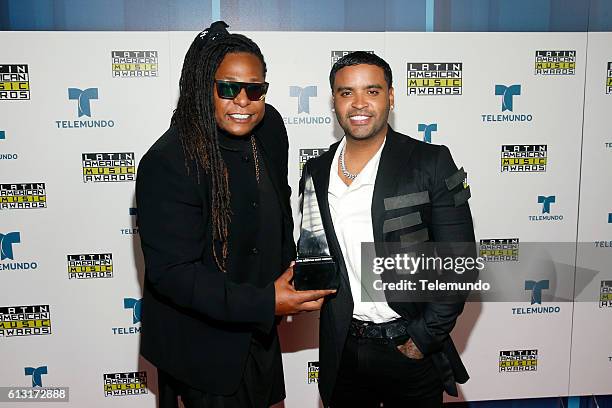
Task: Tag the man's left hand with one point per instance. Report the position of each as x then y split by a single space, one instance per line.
410 350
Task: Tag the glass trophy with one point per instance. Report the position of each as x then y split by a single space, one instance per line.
314 267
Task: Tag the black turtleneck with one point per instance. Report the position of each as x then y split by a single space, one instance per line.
256 214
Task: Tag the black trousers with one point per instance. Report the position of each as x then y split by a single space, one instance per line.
374 371
262 382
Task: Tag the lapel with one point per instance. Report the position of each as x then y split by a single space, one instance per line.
393 158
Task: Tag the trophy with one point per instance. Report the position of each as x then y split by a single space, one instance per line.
314 267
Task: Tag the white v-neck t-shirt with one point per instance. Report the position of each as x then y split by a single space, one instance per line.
351 213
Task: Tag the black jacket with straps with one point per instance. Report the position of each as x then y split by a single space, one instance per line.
412 177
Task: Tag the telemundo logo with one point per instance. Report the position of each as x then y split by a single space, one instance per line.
36 373
536 288
133 229
303 97
545 210
7 253
6 244
7 156
134 306
427 130
507 94
546 201
83 97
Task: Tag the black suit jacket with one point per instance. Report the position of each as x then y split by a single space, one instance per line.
408 171
197 321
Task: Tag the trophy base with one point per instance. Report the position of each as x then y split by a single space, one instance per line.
315 273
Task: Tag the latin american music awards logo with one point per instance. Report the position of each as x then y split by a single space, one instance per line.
135 64
555 62
31 320
499 250
524 158
307 154
518 361
90 266
108 167
434 78
14 82
609 79
84 103
336 55
126 383
313 372
23 196
605 294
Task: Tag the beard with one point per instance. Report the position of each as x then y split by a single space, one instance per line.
363 132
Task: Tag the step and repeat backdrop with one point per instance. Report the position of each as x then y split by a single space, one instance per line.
526 114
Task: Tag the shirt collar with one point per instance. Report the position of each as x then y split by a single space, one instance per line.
367 176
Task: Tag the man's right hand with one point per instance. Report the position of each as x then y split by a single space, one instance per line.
290 301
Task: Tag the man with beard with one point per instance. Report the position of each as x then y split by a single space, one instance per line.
377 185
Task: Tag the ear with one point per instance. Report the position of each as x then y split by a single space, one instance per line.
391 96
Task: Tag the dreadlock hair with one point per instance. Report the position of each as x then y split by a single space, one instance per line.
195 119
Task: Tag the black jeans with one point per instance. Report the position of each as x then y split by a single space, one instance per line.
374 371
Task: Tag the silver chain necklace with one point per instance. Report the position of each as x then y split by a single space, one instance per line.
345 172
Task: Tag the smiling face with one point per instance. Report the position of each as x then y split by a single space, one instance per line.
240 115
362 100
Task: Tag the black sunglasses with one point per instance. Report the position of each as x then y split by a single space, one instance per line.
255 91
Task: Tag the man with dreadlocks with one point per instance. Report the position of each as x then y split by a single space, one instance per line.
217 233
